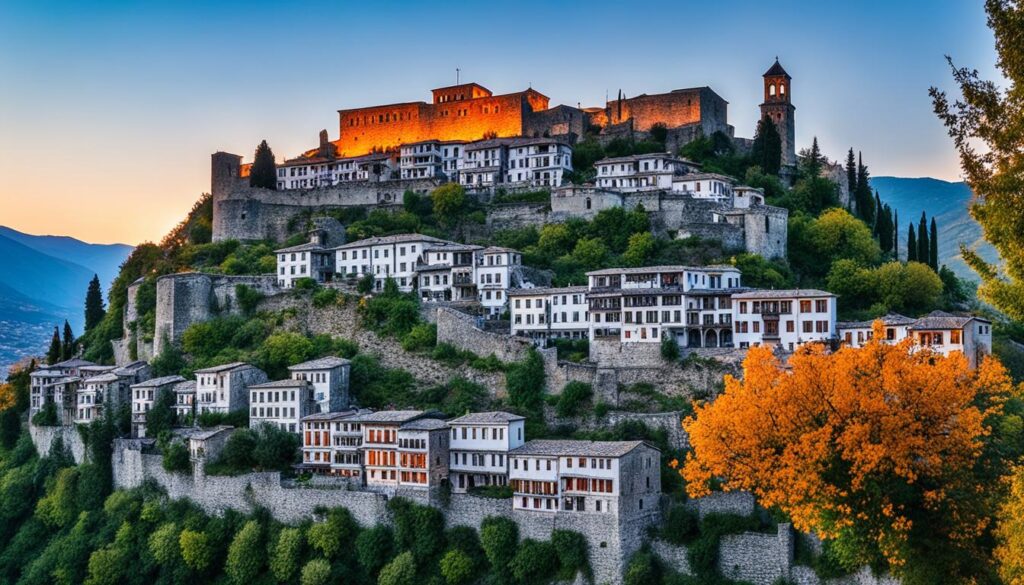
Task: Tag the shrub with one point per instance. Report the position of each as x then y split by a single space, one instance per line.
644 568
305 284
574 396
196 550
284 559
316 572
669 349
524 382
400 571
245 557
456 567
365 284
534 562
573 556
499 537
247 297
331 536
418 529
681 526
47 415
176 457
325 297
374 548
420 337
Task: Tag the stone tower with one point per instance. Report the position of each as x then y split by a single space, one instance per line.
779 107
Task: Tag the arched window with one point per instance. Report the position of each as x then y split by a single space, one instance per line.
771 89
767 226
782 89
588 202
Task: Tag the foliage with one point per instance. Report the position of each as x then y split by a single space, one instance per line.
325 297
760 273
286 554
263 173
331 537
390 312
400 571
644 568
910 288
47 415
669 349
316 572
94 310
575 395
420 337
499 537
992 117
681 526
845 445
161 418
456 567
374 547
815 243
55 352
534 562
1009 554
247 297
449 203
573 555
524 382
418 529
767 149
168 362
176 457
245 557
196 549
266 447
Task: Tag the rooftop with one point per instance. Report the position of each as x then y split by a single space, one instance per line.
495 417
186 387
157 382
395 239
223 368
548 290
775 69
307 247
892 319
324 363
104 378
425 424
783 294
704 176
289 383
671 268
563 448
204 434
73 363
636 157
391 416
943 320
331 416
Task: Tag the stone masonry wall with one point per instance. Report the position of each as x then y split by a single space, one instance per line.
613 353
758 558
43 438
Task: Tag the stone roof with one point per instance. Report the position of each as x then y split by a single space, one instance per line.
331 416
775 69
391 416
892 319
702 176
186 387
433 267
324 363
96 368
289 383
107 377
943 320
62 380
425 424
637 157
669 268
495 417
568 448
783 294
73 363
549 290
131 369
223 368
157 382
307 247
453 247
712 292
210 432
499 250
395 239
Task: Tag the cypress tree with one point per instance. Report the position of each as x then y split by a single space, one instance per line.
766 151
878 214
884 227
865 205
68 347
911 244
263 172
895 234
94 310
53 354
924 254
814 160
933 258
851 174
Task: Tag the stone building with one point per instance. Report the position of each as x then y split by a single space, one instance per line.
281 403
778 106
107 391
550 313
697 108
144 397
331 443
479 446
938 331
308 260
619 478
404 448
783 318
641 172
185 400
330 379
225 388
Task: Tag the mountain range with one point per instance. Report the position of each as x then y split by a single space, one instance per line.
43 280
948 203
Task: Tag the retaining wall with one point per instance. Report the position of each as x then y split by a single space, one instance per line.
43 438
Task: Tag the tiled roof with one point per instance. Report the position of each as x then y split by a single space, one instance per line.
210 432
711 292
73 363
783 294
942 320
395 239
331 416
307 247
280 384
425 424
670 268
560 448
499 250
892 319
433 267
550 290
495 417
702 176
222 368
157 382
185 387
391 416
452 247
636 157
131 369
775 69
324 363
104 378
96 368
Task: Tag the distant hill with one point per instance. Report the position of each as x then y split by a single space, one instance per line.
948 203
43 280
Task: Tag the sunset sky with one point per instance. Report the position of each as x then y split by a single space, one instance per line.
109 111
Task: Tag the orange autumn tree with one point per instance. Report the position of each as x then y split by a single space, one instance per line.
884 451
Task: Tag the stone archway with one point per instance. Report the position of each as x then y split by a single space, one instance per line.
711 338
725 338
693 338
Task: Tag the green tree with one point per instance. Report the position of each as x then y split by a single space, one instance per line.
456 567
524 382
263 173
245 555
640 249
911 244
67 348
863 196
589 253
94 310
923 250
53 355
164 545
851 175
813 161
574 396
573 554
933 247
59 507
995 172
161 417
374 548
316 572
816 243
330 537
196 549
286 554
400 571
534 562
449 202
766 151
499 537
760 273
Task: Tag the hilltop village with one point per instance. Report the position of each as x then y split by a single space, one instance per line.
513 155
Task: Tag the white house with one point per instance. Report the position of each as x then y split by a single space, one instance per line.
107 390
404 448
282 403
225 388
329 377
384 256
452 153
784 318
421 160
538 162
586 477
546 313
331 443
144 397
494 273
185 399
479 446
484 163
858 333
946 333
744 197
309 260
446 272
309 173
641 172
645 304
705 186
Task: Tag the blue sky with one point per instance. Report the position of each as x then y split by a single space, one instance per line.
109 110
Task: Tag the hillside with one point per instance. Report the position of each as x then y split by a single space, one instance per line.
42 282
948 203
